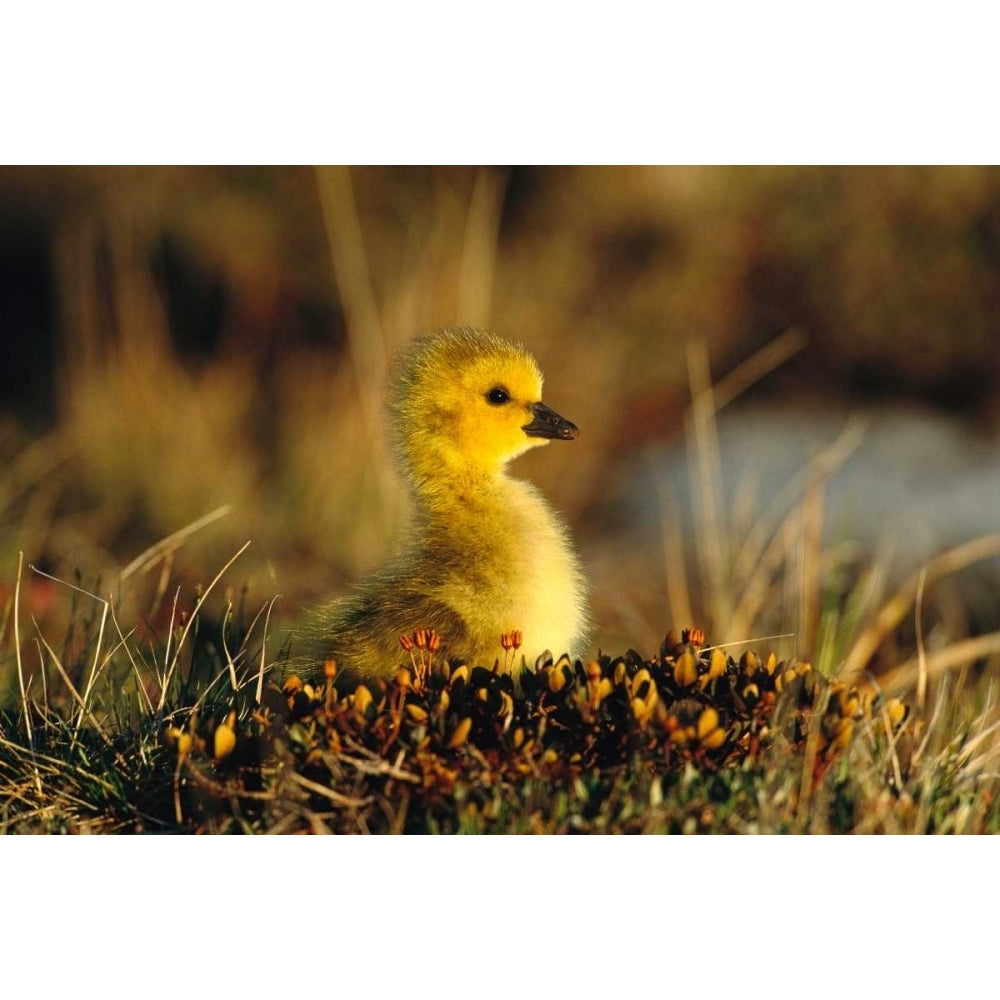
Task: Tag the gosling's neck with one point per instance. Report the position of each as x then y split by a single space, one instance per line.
444 490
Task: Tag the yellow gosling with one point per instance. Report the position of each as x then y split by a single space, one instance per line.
485 554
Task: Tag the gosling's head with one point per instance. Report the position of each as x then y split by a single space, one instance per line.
467 401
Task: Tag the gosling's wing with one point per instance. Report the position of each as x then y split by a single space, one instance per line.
362 632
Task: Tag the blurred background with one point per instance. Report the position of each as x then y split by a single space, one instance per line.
787 379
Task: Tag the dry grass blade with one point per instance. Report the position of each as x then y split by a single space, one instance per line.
479 248
747 642
263 651
764 547
56 766
20 671
891 741
190 622
93 667
810 561
17 648
678 591
759 364
896 608
366 335
985 736
958 654
123 644
921 651
95 670
203 697
703 434
230 664
77 697
148 559
706 401
167 660
353 275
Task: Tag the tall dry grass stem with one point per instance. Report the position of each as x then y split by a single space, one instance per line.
366 339
92 677
146 560
123 642
766 543
956 655
81 701
94 670
258 694
230 665
707 400
703 435
678 590
761 363
921 651
810 562
895 609
20 674
477 266
193 617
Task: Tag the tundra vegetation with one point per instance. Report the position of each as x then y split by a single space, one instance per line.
209 370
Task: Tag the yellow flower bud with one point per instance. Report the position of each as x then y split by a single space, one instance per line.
686 669
362 698
461 733
224 740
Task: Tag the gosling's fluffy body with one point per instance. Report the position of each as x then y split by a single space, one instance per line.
485 553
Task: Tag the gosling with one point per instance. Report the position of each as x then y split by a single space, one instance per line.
485 554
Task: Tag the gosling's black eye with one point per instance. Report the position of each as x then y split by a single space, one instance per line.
497 396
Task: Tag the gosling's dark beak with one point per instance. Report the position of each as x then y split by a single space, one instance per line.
547 423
